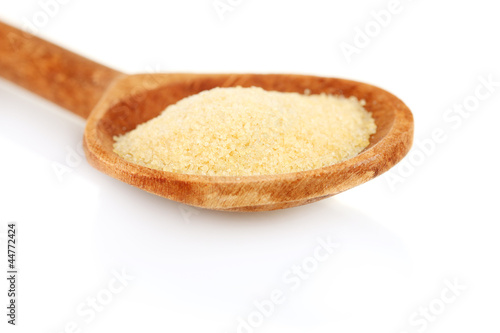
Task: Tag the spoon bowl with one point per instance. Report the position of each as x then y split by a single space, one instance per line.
114 103
136 99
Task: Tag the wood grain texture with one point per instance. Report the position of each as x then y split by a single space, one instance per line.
63 77
116 103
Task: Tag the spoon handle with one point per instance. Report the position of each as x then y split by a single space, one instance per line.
56 74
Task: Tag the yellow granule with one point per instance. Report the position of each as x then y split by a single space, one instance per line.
249 131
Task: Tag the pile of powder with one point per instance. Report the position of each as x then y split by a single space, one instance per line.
249 131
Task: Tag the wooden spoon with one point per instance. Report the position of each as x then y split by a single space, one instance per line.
114 103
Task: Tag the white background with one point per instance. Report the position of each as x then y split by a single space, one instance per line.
200 271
